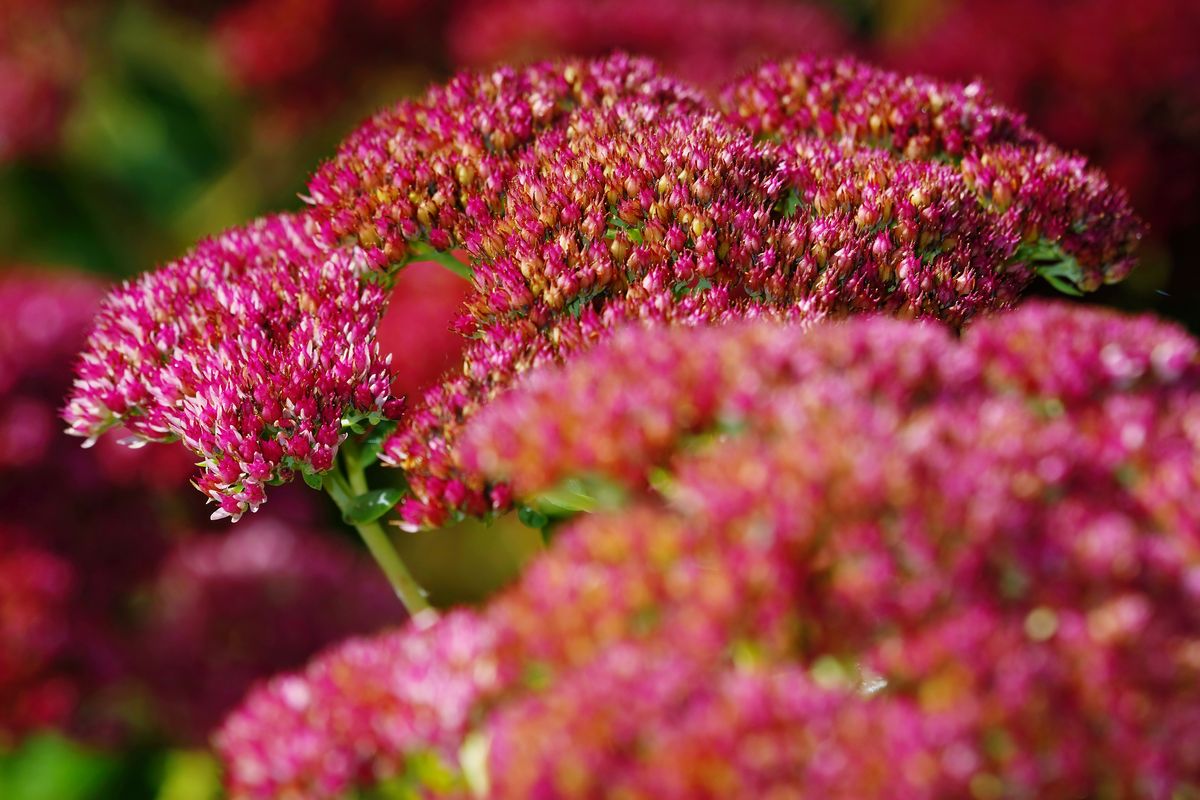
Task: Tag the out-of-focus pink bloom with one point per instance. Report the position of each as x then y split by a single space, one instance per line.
229 610
865 557
251 350
36 685
301 58
706 42
399 695
39 61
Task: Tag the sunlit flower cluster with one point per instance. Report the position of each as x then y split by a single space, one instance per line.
252 350
121 614
856 559
583 195
587 194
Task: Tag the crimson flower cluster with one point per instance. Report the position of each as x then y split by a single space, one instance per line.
252 350
578 214
856 559
121 614
585 194
1115 81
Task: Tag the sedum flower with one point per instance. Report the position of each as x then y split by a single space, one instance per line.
859 558
584 195
251 350
122 615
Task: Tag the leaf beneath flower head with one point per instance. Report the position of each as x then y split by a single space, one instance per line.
372 505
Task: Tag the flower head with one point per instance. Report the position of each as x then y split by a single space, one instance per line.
251 350
585 195
957 565
601 196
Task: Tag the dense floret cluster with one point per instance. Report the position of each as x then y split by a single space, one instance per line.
860 559
252 350
1115 81
589 194
121 614
584 194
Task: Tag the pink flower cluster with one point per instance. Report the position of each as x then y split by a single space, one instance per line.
864 558
109 590
252 350
578 213
1116 81
705 42
585 194
231 609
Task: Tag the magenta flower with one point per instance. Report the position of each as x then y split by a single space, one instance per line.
252 350
854 559
588 194
233 609
37 688
585 195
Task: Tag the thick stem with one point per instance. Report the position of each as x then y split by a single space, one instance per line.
343 488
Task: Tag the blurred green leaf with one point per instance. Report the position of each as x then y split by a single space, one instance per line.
51 767
372 505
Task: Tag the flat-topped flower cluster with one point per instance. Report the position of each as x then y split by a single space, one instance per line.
866 559
584 195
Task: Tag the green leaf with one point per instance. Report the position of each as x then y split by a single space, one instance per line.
314 480
50 767
532 518
1059 268
374 443
1060 284
372 505
791 204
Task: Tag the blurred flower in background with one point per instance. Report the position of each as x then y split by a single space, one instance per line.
705 43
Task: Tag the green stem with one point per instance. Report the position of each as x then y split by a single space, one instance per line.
343 488
422 251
